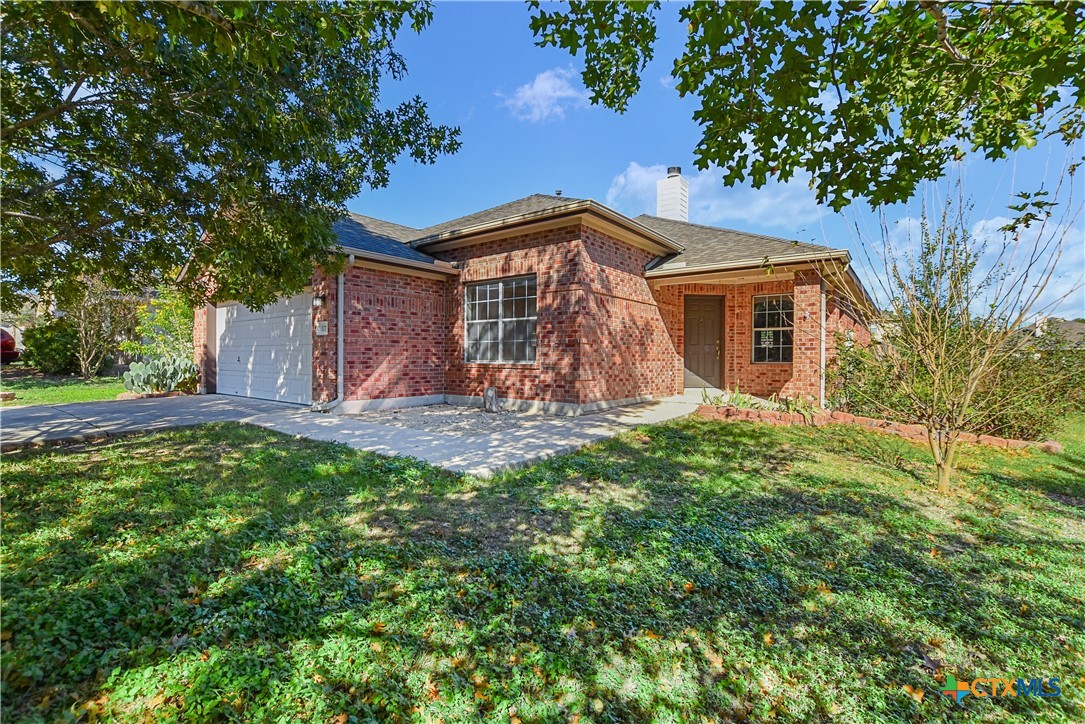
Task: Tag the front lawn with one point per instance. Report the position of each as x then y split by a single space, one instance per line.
33 388
687 571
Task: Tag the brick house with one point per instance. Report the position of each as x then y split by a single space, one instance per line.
559 304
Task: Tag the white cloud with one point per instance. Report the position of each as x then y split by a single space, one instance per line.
1005 257
1037 245
547 97
784 205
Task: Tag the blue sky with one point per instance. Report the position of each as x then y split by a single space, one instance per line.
527 127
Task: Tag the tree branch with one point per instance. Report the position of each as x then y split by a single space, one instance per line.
204 11
934 9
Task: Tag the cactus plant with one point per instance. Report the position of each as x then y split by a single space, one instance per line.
159 375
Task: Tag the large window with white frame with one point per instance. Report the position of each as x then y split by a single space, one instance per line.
499 321
773 328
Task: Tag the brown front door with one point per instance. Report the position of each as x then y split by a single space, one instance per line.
703 341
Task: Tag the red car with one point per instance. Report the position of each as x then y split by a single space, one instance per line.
8 353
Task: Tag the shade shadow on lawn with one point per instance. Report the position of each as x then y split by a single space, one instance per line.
683 570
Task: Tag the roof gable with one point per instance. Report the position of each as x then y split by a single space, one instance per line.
528 205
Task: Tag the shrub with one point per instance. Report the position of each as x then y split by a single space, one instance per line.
1026 398
1029 399
860 383
52 347
164 327
160 375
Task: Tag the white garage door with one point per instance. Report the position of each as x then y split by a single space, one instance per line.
266 354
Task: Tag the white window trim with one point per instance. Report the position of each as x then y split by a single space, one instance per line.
755 329
500 322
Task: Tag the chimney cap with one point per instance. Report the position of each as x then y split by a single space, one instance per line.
557 192
674 171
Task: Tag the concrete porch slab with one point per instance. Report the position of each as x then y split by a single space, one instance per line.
536 438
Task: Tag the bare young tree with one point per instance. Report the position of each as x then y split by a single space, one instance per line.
953 312
102 319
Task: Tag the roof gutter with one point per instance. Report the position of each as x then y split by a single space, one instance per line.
758 263
442 267
577 207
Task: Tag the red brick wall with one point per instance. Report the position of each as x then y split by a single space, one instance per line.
628 350
841 317
395 329
800 377
324 347
555 257
204 354
600 334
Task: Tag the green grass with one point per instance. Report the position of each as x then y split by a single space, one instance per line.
684 571
57 391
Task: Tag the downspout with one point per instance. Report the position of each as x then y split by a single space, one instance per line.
821 373
339 334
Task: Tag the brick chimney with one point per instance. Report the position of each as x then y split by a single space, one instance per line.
672 195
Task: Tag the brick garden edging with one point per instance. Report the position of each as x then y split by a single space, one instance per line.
917 433
149 395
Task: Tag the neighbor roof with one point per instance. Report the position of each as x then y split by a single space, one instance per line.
1072 331
712 245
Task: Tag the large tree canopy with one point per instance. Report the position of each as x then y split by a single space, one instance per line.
868 98
143 138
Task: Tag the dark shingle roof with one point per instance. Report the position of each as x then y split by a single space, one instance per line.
364 233
528 204
704 245
714 245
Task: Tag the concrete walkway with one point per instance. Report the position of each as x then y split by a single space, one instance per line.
538 437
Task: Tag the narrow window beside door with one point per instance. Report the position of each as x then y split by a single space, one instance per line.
499 320
773 328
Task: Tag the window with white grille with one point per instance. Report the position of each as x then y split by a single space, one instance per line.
499 319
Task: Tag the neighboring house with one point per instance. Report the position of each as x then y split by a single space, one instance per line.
1070 331
560 304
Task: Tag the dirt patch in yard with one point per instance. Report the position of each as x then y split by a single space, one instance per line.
448 419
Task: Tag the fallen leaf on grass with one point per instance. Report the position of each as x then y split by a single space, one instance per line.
913 692
769 639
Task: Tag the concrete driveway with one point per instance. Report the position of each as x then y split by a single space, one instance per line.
42 424
533 437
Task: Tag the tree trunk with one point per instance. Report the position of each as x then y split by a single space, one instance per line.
944 474
943 444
